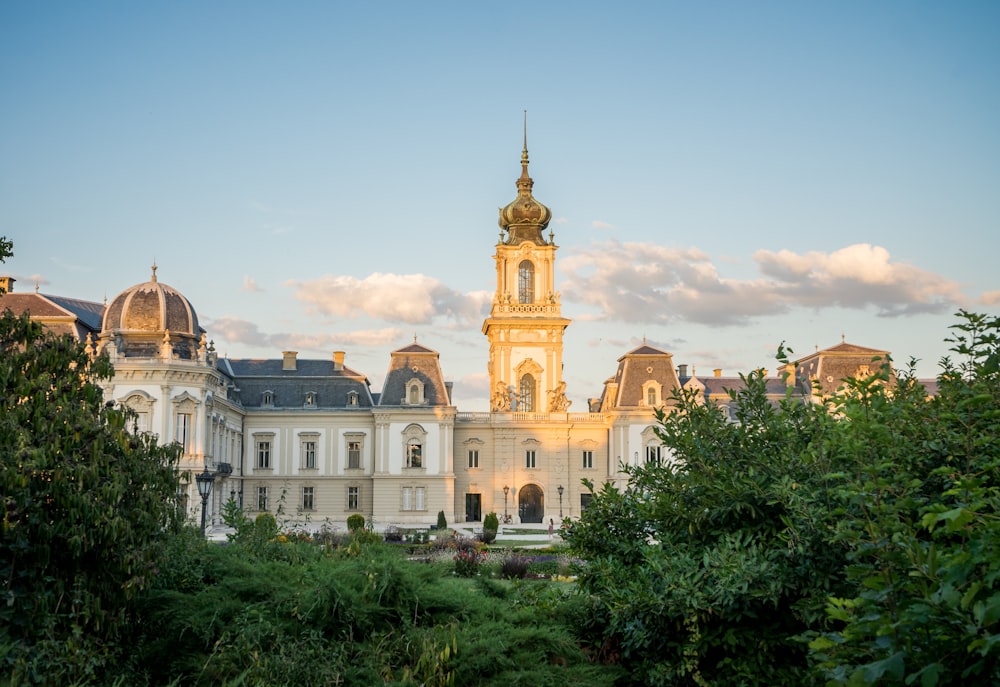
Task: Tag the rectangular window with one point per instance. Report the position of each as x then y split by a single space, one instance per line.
418 499
264 455
184 430
353 498
354 455
653 454
414 458
309 454
588 460
474 458
529 459
261 498
585 501
308 501
407 498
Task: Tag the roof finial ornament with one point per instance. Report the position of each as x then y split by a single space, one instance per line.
842 337
153 278
414 337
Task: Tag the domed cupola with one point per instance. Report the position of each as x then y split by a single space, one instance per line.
525 218
151 319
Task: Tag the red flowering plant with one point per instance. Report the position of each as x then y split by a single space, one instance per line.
467 562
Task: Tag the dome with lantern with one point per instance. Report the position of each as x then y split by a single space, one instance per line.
524 219
152 320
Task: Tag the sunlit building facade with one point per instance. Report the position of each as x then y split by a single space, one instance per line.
312 442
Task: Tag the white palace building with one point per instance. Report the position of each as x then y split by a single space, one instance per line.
312 438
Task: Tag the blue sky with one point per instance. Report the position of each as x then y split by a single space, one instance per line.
320 176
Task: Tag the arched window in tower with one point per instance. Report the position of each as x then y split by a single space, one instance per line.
526 282
526 397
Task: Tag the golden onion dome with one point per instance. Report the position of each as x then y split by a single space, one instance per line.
524 219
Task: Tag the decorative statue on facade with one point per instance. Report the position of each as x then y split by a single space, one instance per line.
501 399
558 403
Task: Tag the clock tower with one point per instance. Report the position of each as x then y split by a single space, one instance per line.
525 327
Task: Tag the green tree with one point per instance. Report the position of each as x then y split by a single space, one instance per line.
868 524
87 504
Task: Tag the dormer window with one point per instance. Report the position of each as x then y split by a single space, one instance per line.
267 400
651 394
414 392
352 398
310 399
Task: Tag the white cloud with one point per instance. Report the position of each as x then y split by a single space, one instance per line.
604 226
560 220
641 282
990 298
249 284
236 330
407 298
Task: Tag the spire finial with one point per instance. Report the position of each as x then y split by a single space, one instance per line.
524 151
153 278
842 337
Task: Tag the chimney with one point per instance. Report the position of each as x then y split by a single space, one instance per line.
682 370
338 360
717 372
288 360
7 284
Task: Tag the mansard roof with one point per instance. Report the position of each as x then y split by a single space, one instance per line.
418 362
635 369
331 387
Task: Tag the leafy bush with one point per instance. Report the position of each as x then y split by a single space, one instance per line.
514 567
355 522
866 523
467 562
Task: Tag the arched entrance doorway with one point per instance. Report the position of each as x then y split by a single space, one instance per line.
530 503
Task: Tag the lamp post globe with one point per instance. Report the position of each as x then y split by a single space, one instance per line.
560 490
204 480
506 490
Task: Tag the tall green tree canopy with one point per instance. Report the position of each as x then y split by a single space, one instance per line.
87 503
854 541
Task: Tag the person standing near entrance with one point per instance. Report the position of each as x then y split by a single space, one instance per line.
552 528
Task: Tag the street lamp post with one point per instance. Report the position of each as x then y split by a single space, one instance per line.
506 490
560 490
204 482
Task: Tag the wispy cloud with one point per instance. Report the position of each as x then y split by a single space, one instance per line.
250 284
236 330
406 298
990 298
641 282
602 225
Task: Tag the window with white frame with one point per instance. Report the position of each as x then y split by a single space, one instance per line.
262 498
653 454
588 460
529 458
414 438
414 454
310 399
263 452
267 399
413 498
353 498
474 458
184 430
526 282
526 394
352 398
354 451
308 498
651 393
309 453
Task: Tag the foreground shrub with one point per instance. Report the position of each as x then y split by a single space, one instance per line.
514 567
